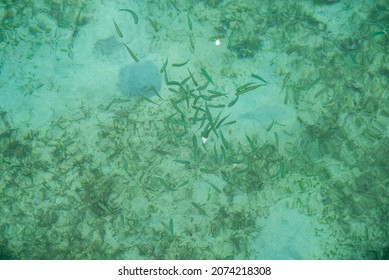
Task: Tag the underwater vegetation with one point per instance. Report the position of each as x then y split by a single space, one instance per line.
165 176
37 21
325 1
213 3
5 253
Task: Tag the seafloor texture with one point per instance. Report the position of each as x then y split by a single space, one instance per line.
264 135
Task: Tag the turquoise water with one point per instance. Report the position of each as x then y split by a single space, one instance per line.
194 129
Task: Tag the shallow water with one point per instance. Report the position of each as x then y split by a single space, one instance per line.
267 139
137 77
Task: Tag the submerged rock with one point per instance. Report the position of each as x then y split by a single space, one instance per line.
136 78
